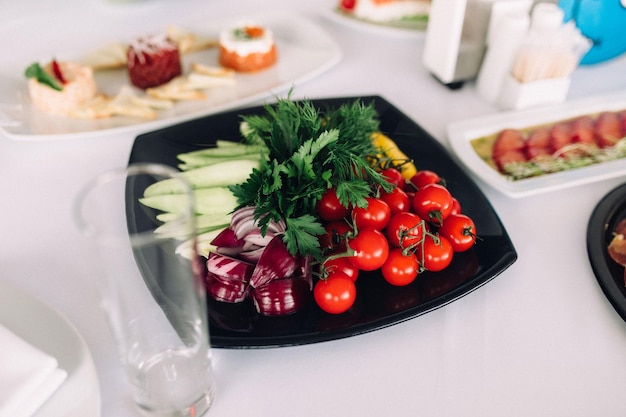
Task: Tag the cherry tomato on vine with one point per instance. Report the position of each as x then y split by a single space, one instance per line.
335 294
393 176
437 251
405 229
341 264
397 200
330 208
370 249
460 230
433 203
456 206
400 269
375 216
335 236
424 177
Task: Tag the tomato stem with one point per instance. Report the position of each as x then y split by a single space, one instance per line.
467 231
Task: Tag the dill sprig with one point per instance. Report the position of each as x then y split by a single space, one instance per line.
309 151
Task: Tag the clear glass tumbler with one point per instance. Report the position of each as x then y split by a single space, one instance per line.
153 297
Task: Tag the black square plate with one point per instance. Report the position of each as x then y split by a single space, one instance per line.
378 304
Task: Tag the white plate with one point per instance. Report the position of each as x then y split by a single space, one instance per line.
461 133
332 12
45 328
304 51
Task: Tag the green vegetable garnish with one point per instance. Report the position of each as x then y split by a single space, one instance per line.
309 151
569 157
35 71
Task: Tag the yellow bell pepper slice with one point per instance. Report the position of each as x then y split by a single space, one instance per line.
388 147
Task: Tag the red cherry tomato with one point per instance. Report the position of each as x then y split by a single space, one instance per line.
335 294
456 206
424 177
397 200
393 176
460 230
348 4
370 249
335 237
375 216
400 269
437 253
405 229
341 264
433 203
330 208
56 68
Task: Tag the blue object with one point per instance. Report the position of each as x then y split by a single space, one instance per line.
603 22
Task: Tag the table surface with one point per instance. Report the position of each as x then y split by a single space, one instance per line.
540 339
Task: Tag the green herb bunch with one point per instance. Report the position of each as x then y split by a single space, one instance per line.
309 151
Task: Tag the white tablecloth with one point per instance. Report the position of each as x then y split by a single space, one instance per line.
539 340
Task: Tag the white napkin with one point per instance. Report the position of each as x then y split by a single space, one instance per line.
28 376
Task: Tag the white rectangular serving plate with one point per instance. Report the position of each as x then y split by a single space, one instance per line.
461 133
305 51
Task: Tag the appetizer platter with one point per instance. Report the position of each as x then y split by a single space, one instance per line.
550 148
404 18
241 320
606 224
207 81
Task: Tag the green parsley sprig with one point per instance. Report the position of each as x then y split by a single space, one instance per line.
309 151
37 72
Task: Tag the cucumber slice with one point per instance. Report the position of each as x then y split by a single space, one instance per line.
208 200
230 151
217 175
204 223
199 161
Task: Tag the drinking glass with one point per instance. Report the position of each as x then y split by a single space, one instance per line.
153 295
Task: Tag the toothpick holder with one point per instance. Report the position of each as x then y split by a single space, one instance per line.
516 95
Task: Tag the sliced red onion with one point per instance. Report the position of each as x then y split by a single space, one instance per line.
275 263
256 238
219 264
224 289
244 227
242 214
246 263
227 239
252 256
227 278
234 252
243 222
281 297
276 227
305 270
248 246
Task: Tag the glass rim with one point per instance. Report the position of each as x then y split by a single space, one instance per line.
186 218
